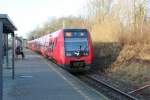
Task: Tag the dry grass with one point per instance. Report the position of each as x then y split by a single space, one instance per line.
133 72
133 51
132 63
130 36
111 30
105 31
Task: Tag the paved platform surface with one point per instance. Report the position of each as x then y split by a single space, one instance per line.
39 79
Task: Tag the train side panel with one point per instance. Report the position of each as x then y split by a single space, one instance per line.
58 50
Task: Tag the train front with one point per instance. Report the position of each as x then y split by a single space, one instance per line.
78 49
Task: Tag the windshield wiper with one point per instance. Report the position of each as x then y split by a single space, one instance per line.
78 52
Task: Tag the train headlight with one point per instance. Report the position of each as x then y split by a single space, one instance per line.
68 54
86 53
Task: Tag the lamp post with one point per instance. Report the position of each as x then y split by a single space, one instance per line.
13 55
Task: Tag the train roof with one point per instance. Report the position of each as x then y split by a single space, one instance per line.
54 34
75 29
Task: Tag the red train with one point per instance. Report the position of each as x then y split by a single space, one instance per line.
70 48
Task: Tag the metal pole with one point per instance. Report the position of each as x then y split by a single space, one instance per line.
13 55
7 51
1 65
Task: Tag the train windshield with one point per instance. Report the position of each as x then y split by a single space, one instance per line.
76 43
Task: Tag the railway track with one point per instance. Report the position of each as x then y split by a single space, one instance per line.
111 92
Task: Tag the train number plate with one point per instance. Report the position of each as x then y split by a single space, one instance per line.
78 64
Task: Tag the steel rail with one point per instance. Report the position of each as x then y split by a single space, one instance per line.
111 87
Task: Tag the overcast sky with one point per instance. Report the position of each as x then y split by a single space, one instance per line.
29 14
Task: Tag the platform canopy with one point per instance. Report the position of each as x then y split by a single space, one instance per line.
8 25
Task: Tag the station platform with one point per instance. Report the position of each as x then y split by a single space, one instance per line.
39 79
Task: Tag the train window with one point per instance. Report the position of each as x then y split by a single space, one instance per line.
73 45
50 45
76 40
56 41
53 46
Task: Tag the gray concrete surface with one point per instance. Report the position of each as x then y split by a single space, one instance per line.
39 79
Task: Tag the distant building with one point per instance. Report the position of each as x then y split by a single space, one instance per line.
18 41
